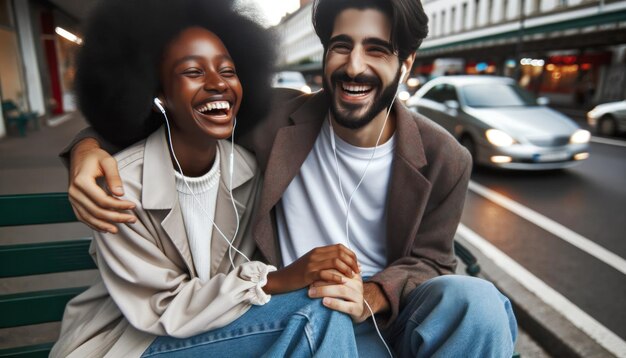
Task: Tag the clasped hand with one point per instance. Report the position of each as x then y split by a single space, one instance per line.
346 297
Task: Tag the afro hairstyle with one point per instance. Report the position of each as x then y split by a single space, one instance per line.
117 74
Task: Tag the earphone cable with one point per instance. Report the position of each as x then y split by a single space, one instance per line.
230 189
230 245
349 204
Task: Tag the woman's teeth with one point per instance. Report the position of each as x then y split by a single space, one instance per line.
213 106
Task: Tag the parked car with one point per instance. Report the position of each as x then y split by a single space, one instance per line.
501 124
608 119
290 79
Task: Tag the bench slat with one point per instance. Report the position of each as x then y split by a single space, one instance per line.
22 309
35 209
41 258
34 351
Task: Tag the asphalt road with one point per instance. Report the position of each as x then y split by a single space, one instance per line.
589 200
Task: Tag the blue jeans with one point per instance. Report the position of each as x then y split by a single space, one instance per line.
290 325
447 316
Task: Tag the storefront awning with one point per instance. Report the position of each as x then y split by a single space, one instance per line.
593 20
306 67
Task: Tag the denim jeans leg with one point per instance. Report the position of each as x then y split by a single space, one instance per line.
290 325
455 316
368 342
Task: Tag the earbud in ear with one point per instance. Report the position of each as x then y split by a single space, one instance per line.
157 102
403 73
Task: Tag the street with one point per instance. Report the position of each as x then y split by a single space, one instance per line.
565 227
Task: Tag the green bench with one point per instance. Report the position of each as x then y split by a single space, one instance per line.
14 116
29 308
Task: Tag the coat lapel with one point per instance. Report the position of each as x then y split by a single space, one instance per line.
225 217
163 203
405 207
291 146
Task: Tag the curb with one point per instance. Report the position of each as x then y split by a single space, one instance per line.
551 330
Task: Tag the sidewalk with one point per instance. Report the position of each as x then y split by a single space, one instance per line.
30 164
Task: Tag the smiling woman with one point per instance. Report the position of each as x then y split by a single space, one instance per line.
131 50
177 276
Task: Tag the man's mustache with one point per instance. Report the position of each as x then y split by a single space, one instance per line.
342 76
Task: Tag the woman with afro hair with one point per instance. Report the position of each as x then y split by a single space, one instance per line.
166 79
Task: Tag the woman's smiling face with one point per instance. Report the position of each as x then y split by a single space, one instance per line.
201 90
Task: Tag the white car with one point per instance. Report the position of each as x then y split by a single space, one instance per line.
290 79
608 119
501 124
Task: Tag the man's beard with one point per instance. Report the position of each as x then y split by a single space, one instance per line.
381 102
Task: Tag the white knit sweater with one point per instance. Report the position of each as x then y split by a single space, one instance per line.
199 228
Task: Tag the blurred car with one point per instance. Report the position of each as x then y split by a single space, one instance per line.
408 88
290 79
608 119
501 124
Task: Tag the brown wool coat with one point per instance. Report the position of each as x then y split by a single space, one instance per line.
430 174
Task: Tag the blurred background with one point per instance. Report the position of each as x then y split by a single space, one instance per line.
535 89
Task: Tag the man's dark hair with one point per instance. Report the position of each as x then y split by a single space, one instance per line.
409 23
118 66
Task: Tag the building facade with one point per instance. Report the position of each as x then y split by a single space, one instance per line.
573 51
36 63
299 45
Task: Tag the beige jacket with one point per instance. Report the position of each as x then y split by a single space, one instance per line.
148 285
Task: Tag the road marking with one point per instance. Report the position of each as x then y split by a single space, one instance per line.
579 318
619 143
552 226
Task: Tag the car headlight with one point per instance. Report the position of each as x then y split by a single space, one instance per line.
499 138
581 136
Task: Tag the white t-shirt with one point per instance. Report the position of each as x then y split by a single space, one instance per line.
312 213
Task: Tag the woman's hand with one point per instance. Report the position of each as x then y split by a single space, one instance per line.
91 204
334 263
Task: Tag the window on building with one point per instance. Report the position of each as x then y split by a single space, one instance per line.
490 16
443 23
505 9
476 13
12 84
464 16
536 6
453 20
433 25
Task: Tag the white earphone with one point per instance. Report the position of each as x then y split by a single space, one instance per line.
157 102
159 105
403 73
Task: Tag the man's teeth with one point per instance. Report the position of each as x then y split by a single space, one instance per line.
356 89
211 106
